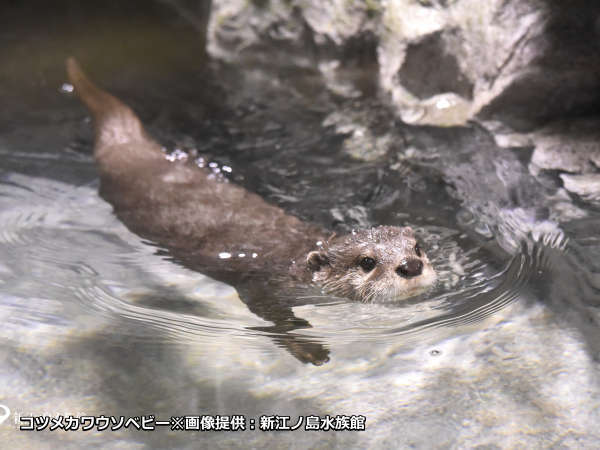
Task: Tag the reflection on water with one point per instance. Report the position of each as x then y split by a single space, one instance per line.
502 350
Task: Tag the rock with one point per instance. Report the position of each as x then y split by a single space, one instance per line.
513 65
586 186
439 62
571 146
568 146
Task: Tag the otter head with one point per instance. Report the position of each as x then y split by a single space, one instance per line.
377 265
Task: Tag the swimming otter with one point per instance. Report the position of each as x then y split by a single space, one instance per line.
222 230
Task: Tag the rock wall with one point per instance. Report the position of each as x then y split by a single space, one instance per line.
439 62
528 70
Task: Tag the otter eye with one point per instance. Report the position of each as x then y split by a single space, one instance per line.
367 264
418 250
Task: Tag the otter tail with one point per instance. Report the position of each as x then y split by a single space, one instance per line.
115 123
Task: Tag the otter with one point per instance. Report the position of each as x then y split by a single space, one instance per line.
216 227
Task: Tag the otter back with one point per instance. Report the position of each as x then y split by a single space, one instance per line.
199 218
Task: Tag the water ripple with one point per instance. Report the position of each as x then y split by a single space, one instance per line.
65 242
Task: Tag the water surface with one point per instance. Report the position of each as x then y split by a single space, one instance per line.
502 351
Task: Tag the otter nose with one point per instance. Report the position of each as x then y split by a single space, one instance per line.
410 268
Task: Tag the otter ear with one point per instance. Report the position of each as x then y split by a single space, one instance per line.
407 231
317 259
